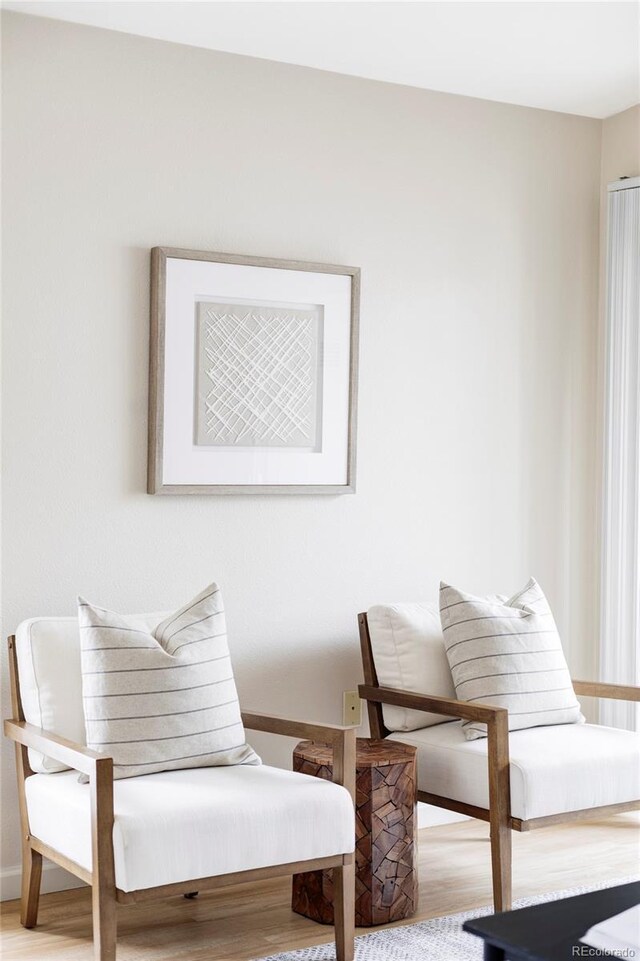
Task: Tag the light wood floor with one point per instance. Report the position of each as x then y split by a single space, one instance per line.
254 920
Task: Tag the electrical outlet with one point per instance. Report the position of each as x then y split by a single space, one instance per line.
351 708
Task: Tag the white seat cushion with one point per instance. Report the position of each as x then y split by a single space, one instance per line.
189 824
570 767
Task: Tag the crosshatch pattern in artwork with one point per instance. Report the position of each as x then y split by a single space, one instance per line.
258 376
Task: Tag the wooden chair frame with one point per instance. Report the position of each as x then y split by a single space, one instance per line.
99 768
497 720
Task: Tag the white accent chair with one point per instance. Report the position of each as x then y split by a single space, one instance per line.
167 834
517 781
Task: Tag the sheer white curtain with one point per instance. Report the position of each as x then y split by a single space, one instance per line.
620 620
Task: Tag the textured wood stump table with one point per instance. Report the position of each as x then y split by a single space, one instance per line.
386 876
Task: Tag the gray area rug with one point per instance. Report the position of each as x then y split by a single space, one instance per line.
440 939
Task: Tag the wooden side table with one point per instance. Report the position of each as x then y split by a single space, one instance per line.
386 875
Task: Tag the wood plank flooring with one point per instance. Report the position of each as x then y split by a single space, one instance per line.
254 920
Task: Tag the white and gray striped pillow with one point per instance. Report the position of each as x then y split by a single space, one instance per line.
164 700
508 654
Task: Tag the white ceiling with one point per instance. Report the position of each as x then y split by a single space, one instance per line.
575 57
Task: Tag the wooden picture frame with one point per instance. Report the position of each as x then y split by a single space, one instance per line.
179 462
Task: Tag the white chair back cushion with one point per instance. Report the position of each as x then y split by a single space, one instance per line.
48 653
409 654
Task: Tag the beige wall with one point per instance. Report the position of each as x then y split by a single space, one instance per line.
476 228
621 145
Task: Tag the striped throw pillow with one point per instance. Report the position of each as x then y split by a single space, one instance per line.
508 654
163 700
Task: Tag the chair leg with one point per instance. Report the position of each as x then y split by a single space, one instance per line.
500 808
31 877
344 909
501 862
104 924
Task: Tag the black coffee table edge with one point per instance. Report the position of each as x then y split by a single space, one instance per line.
552 930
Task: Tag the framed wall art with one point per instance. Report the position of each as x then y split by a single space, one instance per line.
253 375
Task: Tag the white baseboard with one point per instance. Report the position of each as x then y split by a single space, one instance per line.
54 878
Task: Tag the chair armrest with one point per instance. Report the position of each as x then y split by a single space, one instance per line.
99 769
497 721
74 755
468 710
311 730
618 692
342 738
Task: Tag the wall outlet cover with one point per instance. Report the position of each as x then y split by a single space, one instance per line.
351 708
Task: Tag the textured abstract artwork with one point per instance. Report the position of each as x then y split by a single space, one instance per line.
252 375
258 375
